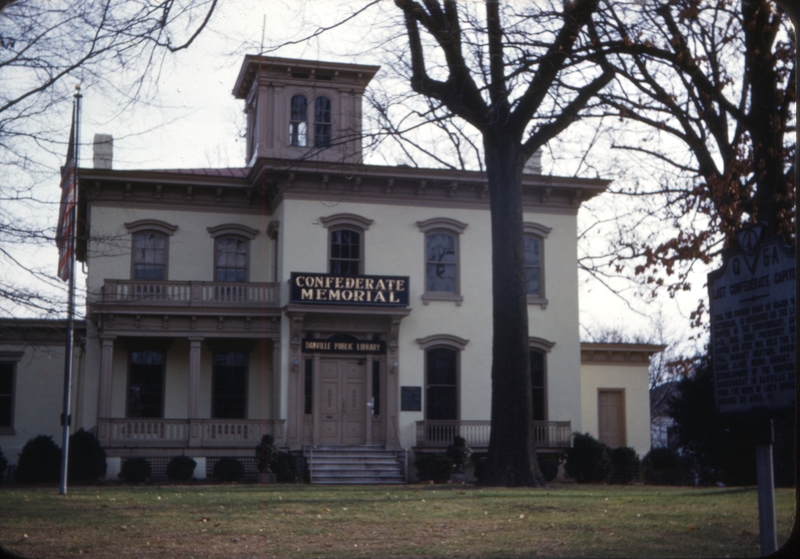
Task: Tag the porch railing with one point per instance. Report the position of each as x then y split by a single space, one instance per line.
190 293
187 433
440 433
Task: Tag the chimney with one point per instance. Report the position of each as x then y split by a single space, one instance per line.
103 151
533 166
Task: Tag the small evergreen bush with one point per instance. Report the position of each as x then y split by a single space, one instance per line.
664 466
625 465
87 459
135 470
3 465
181 468
284 466
39 461
434 467
265 453
228 469
459 452
587 459
549 469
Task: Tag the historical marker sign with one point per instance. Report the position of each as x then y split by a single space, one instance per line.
753 326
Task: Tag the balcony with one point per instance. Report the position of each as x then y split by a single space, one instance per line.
184 433
189 294
440 433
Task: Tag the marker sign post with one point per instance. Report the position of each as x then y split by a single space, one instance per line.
752 301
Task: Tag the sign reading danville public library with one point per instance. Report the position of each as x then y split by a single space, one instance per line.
329 289
753 325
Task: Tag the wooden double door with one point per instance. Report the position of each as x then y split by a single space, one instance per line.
342 401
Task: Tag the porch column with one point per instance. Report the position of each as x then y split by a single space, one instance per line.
104 393
195 427
276 379
194 377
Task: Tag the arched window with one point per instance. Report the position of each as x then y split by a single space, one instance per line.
149 256
345 253
322 122
441 383
442 259
535 234
298 124
230 262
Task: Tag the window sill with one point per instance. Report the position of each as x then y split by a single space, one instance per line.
536 300
453 297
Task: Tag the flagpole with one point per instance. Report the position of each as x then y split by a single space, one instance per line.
70 338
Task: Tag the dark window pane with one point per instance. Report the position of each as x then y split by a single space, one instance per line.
440 277
308 387
229 385
376 387
538 389
298 125
532 257
441 247
442 378
6 394
231 259
533 265
149 256
322 122
146 384
345 252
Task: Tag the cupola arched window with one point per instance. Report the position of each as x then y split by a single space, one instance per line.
298 124
322 122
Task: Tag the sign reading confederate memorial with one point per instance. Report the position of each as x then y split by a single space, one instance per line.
752 300
329 289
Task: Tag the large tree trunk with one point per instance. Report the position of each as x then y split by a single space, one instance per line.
512 452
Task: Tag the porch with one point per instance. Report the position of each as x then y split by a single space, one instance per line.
187 433
438 434
190 293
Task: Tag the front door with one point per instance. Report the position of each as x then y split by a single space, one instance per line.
342 402
611 417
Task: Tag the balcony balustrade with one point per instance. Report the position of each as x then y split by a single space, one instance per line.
440 433
203 433
190 293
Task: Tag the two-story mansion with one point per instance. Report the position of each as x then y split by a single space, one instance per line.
325 301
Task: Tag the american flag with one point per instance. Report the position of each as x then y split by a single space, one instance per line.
66 214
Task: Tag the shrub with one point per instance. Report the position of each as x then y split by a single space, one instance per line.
284 466
135 470
3 465
625 465
459 452
87 459
434 467
228 469
549 469
587 459
181 468
265 453
39 461
664 466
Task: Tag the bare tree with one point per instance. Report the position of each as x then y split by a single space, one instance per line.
519 75
46 48
706 91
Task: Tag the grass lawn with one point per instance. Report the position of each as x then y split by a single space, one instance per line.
226 521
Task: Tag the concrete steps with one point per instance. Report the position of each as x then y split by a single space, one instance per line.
355 465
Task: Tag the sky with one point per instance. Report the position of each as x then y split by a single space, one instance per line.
193 120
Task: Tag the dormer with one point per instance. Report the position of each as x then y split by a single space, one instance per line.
302 109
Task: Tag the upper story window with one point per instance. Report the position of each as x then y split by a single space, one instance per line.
346 243
149 256
150 248
442 262
146 384
442 361
535 235
298 123
322 122
231 251
230 259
